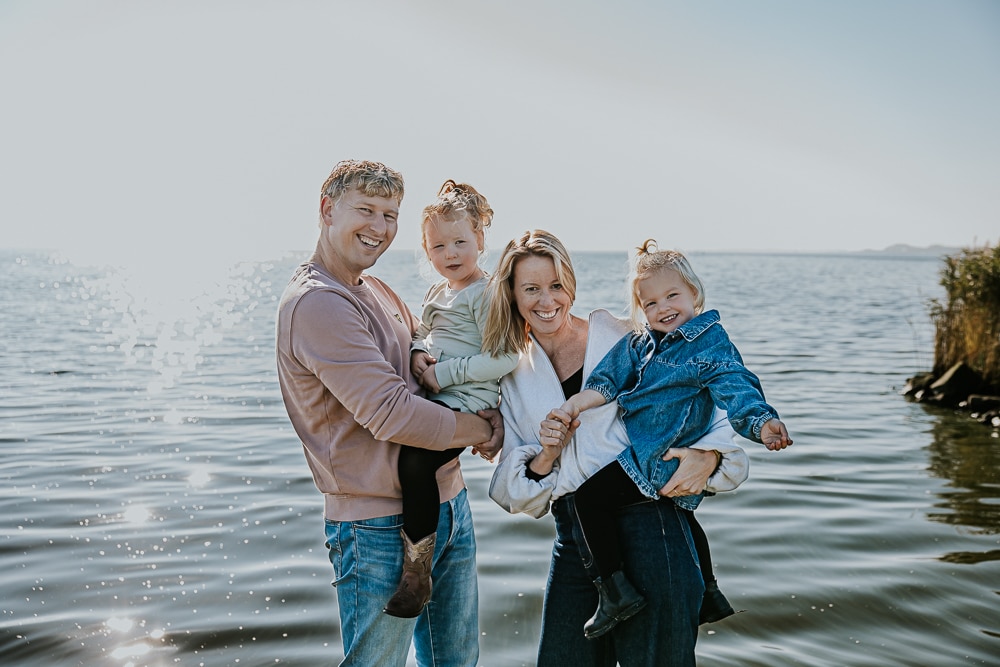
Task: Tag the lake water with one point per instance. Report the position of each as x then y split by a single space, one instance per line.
157 508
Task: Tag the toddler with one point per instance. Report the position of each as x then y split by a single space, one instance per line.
667 377
448 360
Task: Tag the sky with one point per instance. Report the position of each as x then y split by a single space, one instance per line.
188 131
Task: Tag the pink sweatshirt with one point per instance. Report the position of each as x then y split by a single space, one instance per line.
344 368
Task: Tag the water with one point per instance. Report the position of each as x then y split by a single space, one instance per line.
157 508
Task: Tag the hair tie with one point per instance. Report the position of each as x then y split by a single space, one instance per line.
648 247
447 187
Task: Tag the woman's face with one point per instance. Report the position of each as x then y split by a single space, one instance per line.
540 297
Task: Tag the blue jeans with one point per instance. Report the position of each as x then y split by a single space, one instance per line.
367 559
660 561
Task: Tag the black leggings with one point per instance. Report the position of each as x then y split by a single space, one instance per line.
597 502
418 478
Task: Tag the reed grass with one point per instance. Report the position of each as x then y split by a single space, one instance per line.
967 321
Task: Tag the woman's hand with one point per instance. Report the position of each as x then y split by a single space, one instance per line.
555 431
691 476
557 428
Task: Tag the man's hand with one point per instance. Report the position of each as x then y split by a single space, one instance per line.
488 450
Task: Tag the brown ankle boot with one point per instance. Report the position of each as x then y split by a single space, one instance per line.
414 590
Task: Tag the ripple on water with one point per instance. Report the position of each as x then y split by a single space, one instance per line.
160 511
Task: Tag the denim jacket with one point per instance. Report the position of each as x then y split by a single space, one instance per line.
667 386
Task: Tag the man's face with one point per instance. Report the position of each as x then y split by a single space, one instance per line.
358 229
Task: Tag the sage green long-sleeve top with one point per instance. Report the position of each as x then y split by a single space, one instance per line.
451 330
343 358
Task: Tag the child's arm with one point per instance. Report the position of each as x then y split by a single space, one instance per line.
483 367
585 400
737 390
420 358
420 361
567 414
615 370
559 425
774 435
428 380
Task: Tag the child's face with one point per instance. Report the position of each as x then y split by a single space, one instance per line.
667 301
453 250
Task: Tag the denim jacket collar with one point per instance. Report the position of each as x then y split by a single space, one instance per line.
692 328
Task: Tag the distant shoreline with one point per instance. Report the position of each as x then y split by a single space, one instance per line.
896 250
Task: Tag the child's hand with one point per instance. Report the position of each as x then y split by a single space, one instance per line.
420 361
429 380
570 408
557 428
774 436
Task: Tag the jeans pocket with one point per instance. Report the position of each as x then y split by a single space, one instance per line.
335 550
367 544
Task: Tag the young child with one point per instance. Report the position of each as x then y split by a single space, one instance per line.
448 360
667 376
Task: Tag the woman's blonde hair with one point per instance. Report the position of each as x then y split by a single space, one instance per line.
505 328
454 201
648 260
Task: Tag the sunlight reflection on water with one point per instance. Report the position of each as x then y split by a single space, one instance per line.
136 514
162 316
199 478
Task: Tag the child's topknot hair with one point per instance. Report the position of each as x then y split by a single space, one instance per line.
460 199
649 259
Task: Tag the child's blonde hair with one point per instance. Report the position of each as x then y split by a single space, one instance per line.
454 201
649 259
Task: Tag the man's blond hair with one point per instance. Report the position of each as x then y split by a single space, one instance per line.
373 179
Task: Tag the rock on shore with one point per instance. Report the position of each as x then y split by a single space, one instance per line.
959 387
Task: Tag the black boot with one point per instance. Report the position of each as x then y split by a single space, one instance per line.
618 600
714 605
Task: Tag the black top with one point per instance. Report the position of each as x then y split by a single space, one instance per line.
573 384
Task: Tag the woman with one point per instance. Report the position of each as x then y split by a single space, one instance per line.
534 285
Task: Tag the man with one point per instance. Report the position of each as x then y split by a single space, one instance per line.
343 354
